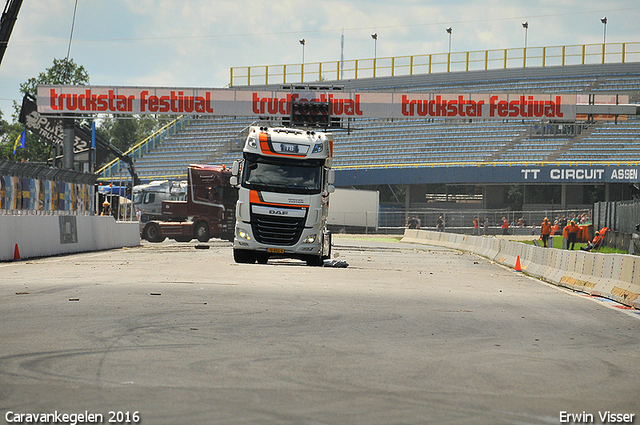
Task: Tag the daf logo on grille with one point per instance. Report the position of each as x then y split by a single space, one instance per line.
281 212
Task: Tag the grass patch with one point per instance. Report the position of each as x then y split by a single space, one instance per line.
557 243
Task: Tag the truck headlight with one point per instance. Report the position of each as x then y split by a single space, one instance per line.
317 148
251 141
310 239
244 235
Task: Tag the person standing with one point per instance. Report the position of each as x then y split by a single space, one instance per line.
486 226
505 226
412 223
476 226
545 231
440 224
572 234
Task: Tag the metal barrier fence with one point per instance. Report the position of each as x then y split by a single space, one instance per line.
579 54
428 219
30 189
621 216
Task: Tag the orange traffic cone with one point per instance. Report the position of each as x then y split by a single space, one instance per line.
16 254
518 268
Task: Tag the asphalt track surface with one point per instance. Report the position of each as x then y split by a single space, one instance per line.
407 334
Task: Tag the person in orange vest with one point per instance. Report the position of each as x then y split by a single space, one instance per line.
476 226
545 231
595 243
572 234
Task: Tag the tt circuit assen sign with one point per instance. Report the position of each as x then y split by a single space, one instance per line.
228 102
577 174
547 174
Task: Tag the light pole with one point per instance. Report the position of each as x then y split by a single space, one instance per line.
375 51
449 31
303 42
604 35
525 25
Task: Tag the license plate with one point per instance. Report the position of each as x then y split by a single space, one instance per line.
285 147
275 250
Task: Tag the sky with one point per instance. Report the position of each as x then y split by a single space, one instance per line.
194 43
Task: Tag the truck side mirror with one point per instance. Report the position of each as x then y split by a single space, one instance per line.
331 176
235 168
331 188
233 180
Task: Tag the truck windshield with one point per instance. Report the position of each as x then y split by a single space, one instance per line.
287 177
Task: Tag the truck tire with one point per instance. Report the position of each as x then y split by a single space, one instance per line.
152 233
244 256
201 232
315 261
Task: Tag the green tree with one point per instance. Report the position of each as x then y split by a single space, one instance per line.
63 71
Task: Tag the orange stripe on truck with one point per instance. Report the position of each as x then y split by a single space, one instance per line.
255 198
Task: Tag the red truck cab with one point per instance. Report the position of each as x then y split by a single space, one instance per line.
208 211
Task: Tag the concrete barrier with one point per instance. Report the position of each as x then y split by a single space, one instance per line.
613 276
47 235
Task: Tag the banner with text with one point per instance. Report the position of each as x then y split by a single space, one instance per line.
507 174
228 102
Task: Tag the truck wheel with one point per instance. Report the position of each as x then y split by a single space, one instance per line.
201 232
152 233
244 256
315 261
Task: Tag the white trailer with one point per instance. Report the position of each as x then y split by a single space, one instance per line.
354 209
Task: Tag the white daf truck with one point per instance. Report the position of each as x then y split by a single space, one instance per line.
284 181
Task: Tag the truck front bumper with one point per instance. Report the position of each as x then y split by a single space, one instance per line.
310 243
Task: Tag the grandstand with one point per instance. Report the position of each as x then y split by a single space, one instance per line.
420 152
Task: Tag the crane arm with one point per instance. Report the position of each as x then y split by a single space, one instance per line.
8 20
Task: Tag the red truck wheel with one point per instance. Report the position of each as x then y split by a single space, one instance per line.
152 233
201 232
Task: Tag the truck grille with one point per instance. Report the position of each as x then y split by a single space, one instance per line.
273 230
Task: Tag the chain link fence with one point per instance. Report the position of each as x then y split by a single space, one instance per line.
622 218
395 220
